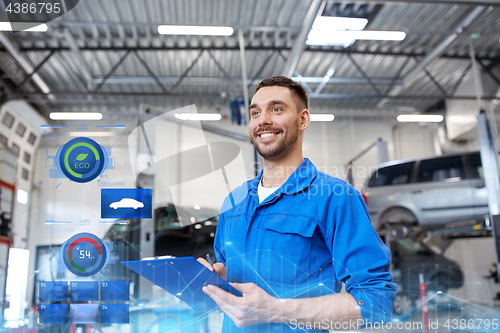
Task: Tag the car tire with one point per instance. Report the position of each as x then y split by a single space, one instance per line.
403 304
439 282
398 220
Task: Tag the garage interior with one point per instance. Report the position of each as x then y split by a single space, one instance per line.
112 60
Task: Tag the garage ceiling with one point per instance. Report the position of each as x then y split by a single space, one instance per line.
107 55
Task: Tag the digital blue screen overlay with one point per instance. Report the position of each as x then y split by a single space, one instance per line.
83 313
83 291
126 203
53 313
84 254
115 291
114 313
81 159
53 291
55 173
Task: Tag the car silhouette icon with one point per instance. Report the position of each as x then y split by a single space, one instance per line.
126 203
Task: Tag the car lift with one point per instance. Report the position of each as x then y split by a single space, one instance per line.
489 160
491 224
382 155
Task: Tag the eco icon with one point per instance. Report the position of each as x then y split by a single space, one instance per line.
81 157
81 160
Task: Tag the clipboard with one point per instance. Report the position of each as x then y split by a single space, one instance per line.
184 278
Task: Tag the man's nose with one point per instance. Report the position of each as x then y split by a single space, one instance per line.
265 118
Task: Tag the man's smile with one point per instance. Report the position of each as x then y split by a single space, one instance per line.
267 136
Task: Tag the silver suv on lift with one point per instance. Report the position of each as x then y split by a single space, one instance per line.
428 192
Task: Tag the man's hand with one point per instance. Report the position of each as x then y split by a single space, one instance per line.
218 268
256 306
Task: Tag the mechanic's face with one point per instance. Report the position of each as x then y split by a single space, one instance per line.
275 122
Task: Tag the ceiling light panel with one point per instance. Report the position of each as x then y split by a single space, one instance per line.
344 31
33 26
75 115
322 117
420 118
194 30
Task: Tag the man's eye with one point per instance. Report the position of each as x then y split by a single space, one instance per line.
276 109
254 113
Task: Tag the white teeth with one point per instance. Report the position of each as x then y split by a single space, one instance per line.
267 135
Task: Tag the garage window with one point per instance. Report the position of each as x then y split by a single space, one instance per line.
15 149
441 169
27 157
25 174
4 140
32 138
21 129
392 175
8 119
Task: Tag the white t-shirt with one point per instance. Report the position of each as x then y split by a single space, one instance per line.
264 192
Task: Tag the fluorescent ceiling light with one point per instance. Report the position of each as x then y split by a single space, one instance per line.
35 26
324 29
75 115
322 117
22 196
370 35
198 116
420 118
344 31
93 134
194 30
339 23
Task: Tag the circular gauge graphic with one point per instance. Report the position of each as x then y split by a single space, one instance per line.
84 254
81 159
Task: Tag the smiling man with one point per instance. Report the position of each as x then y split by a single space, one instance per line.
297 235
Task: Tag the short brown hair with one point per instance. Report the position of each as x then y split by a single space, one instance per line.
283 81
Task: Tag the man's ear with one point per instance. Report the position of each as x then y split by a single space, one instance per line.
305 119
